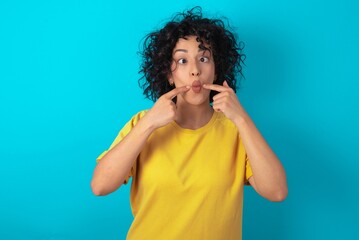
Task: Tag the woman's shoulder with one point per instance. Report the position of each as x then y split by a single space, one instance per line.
141 113
136 117
224 121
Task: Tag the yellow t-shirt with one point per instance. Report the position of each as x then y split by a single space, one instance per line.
188 184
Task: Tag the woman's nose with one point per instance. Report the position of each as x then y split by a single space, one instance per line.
195 70
195 73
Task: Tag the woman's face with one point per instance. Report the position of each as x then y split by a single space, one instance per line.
194 67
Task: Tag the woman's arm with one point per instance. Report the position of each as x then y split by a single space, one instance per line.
268 178
113 168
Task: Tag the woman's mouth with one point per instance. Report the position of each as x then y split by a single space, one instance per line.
196 86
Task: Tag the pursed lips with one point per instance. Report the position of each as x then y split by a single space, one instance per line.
196 86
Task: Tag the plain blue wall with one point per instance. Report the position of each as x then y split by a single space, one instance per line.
68 82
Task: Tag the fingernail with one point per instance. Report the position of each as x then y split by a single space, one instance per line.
188 87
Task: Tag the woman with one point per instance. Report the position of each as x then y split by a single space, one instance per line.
190 155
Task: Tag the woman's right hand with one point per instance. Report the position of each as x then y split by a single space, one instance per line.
164 110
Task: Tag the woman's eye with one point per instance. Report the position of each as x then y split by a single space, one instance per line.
182 61
204 59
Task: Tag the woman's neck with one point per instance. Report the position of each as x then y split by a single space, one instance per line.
192 116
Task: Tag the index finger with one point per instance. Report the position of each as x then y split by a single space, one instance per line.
215 87
173 93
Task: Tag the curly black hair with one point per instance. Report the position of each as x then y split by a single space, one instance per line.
158 47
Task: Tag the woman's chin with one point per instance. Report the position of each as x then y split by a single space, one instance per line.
194 99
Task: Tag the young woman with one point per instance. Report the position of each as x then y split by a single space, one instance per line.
190 155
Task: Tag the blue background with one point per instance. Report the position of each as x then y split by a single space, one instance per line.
68 83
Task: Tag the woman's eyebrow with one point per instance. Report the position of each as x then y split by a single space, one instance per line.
181 50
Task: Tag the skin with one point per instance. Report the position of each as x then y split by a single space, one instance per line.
192 110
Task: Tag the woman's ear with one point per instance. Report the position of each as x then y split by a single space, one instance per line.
170 79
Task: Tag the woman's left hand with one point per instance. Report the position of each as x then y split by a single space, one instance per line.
226 101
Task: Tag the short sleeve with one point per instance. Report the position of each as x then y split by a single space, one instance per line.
248 173
124 131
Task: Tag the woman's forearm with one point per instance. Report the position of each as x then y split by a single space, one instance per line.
268 173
